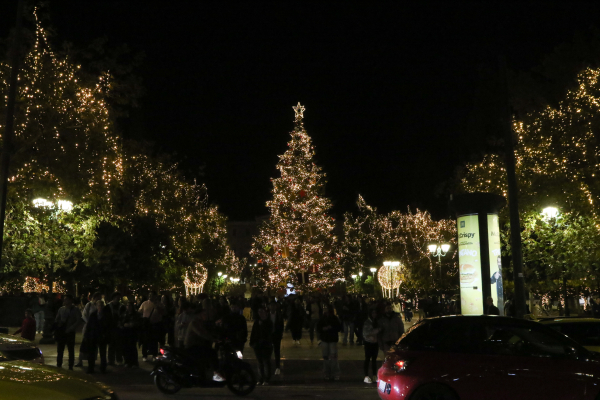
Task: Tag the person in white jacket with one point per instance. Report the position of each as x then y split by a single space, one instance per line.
370 332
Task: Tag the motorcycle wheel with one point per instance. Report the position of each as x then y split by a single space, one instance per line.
166 384
242 381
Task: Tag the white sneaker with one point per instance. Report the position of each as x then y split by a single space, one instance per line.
218 378
277 371
367 380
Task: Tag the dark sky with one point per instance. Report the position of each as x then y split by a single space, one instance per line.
389 88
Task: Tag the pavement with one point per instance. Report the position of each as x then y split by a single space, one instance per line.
301 373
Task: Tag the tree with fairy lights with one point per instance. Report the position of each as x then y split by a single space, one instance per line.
370 238
297 243
557 165
65 149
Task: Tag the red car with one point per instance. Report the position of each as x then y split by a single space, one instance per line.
487 358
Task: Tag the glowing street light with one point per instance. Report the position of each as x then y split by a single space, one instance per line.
550 212
219 273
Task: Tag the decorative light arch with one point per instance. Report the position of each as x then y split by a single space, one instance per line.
195 279
36 285
390 278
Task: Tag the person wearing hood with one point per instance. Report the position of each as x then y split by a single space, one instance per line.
392 328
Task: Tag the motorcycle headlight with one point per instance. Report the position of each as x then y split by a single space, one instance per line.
239 354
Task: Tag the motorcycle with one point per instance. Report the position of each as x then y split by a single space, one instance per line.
174 370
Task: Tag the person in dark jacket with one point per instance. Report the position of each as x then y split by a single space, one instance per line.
328 327
129 324
27 329
297 320
98 332
261 340
115 346
235 327
276 317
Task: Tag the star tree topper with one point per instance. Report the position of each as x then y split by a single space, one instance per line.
299 110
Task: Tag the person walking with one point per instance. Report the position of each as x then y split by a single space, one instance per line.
297 320
151 311
348 316
328 327
66 322
261 340
371 331
235 327
98 332
27 329
129 324
314 313
276 317
182 321
392 328
115 346
88 309
37 307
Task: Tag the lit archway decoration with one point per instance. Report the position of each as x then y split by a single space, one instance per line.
195 279
390 278
35 285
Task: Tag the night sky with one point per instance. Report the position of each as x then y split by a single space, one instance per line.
390 89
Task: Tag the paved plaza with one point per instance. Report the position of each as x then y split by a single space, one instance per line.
301 374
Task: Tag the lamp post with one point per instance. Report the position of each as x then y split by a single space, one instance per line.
354 282
439 251
551 214
61 206
373 270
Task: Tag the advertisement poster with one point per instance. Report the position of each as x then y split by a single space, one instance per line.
497 288
469 261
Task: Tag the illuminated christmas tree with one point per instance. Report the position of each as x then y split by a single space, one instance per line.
297 243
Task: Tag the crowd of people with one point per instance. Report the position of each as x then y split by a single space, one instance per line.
115 326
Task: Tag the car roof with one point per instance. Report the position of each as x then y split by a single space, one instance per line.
569 320
482 318
6 339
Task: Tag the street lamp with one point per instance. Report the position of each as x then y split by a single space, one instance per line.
61 206
439 251
373 270
219 273
550 212
354 281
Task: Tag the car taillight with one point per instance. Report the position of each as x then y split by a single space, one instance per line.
400 365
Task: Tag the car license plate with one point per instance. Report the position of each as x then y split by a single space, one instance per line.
385 387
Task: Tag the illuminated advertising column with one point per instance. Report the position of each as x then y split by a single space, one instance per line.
497 287
480 266
469 264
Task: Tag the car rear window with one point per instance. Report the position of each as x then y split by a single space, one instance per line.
587 334
438 335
